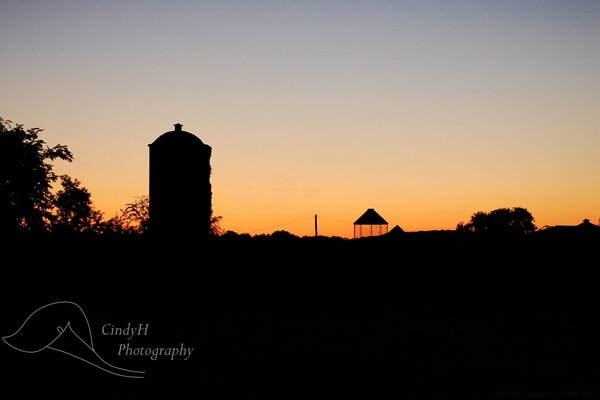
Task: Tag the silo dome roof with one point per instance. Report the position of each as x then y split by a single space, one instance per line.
178 136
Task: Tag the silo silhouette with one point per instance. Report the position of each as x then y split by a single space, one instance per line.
180 190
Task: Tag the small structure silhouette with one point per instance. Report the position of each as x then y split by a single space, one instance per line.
396 231
584 230
180 190
370 224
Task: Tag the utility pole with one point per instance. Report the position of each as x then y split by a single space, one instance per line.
316 229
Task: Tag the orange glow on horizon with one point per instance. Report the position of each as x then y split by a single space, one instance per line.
425 111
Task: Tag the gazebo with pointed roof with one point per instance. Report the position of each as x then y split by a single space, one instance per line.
370 224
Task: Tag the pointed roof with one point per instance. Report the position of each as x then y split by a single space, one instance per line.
396 231
370 217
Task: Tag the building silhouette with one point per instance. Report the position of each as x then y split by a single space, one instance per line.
396 231
180 190
370 224
584 230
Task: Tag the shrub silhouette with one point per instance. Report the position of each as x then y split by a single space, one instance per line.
74 212
502 221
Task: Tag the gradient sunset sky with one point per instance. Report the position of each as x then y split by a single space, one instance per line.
426 111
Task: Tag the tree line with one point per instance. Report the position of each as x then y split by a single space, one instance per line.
30 206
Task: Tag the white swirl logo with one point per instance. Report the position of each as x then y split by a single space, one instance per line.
63 327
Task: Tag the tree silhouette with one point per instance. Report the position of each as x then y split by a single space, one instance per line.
502 221
133 220
215 226
74 211
26 177
136 214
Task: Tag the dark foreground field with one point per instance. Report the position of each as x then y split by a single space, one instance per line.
418 316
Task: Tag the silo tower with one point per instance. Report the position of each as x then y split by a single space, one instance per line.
180 190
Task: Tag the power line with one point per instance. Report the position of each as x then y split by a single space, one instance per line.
299 220
335 220
284 224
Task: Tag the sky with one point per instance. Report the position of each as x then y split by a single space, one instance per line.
427 111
